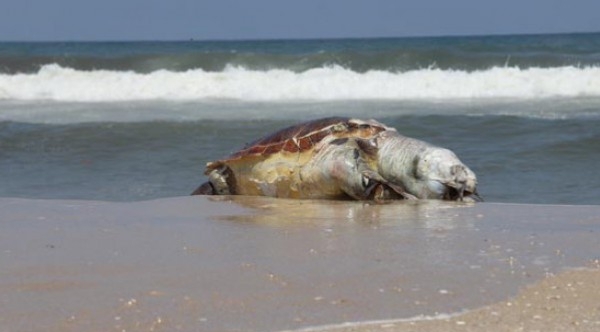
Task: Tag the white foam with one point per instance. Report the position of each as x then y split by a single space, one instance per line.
385 323
56 83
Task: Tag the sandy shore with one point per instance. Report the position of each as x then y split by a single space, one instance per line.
257 264
565 302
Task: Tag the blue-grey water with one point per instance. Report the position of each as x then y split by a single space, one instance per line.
133 121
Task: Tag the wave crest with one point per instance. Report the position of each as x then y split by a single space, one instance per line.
53 82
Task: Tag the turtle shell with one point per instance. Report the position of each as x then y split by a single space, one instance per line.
304 136
274 161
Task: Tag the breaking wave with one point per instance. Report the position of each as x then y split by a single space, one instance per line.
55 83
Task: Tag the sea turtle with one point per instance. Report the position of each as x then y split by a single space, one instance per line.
341 157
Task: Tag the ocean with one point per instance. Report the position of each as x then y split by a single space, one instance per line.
133 121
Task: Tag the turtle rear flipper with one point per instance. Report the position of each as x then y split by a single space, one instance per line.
204 189
221 180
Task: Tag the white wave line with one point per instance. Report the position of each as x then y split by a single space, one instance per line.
56 83
382 322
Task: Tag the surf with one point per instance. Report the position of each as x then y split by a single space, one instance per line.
328 83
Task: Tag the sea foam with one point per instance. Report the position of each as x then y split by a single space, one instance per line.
53 82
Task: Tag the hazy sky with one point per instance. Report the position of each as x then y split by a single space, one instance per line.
260 19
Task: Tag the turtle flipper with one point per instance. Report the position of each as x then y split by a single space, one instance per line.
204 189
379 188
221 179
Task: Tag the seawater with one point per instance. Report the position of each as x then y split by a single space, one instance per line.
128 121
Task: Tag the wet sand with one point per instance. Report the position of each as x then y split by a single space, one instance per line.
565 302
258 264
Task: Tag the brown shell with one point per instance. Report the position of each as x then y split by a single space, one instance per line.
276 159
306 135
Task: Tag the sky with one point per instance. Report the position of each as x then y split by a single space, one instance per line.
67 20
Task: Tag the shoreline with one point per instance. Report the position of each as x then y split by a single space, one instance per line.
261 264
563 302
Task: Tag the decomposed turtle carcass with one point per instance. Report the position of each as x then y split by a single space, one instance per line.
336 158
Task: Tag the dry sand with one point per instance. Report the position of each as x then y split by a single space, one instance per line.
258 264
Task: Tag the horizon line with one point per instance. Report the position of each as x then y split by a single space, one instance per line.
275 39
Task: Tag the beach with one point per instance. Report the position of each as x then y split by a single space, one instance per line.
262 264
102 141
566 302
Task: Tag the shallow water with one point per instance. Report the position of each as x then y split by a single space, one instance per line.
134 121
526 159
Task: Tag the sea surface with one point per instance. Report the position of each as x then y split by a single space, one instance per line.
131 121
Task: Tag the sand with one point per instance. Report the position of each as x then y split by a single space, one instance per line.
259 264
565 302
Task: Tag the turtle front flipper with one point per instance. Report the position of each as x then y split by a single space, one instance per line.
379 189
351 167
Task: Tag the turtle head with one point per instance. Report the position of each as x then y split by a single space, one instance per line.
438 173
424 170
